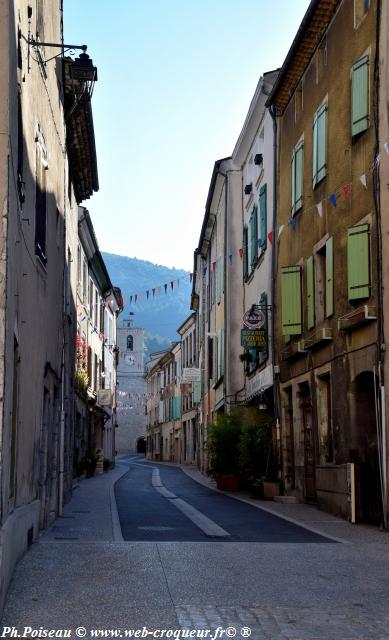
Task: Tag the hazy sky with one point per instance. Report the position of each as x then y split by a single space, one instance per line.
175 81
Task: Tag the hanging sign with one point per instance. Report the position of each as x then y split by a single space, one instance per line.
191 375
253 339
254 318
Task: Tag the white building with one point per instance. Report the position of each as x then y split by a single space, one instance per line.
98 305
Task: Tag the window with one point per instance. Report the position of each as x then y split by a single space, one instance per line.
40 205
361 7
320 286
78 267
298 101
219 280
358 262
262 240
85 280
130 342
20 181
291 300
220 353
319 145
360 96
297 177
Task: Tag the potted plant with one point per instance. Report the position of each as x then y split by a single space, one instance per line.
257 459
223 451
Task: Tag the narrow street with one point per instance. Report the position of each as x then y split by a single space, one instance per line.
194 558
193 512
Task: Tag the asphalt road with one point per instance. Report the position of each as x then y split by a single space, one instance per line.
161 503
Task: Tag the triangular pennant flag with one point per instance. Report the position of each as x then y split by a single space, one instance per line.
363 180
241 252
190 277
158 290
213 266
230 257
153 290
270 237
147 294
172 285
293 223
165 286
280 229
319 207
346 191
136 297
332 199
130 299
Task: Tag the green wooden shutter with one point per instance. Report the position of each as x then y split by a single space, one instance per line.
219 356
196 392
176 408
360 96
310 293
358 263
245 253
263 216
329 277
291 300
320 145
253 239
297 178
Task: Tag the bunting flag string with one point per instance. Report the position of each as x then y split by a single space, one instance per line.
342 191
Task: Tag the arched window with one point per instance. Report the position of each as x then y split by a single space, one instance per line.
130 343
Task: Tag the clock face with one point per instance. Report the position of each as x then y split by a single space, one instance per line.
130 360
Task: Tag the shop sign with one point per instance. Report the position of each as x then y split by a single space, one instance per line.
254 318
253 339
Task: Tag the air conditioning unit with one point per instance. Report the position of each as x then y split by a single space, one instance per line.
323 334
301 346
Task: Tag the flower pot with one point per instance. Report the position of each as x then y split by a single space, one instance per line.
271 489
227 482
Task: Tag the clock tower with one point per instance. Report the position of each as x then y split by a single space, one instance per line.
131 390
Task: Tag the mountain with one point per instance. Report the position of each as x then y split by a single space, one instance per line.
160 314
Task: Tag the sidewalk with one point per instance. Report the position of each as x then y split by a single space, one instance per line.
302 514
305 515
91 514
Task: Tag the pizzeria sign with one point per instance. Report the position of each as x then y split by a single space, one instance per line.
253 339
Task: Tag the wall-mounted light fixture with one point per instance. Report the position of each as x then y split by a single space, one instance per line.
81 69
248 189
258 158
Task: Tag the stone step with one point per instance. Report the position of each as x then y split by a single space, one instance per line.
286 499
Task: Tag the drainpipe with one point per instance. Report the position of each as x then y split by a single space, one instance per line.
62 410
274 264
62 434
272 110
381 417
226 297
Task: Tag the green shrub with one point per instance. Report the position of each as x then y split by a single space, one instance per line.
256 454
223 445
